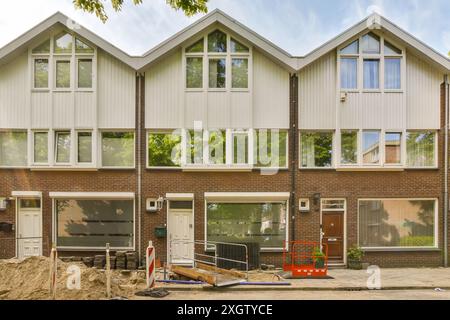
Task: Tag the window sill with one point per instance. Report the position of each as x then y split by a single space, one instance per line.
217 169
371 169
63 169
413 249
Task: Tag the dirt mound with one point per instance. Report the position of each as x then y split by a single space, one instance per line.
29 279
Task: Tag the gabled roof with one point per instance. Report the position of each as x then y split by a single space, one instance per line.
58 18
218 16
379 22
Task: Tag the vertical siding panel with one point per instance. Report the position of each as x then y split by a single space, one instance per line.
116 93
317 94
14 109
271 93
41 110
423 100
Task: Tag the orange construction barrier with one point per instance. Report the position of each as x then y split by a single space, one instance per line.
305 259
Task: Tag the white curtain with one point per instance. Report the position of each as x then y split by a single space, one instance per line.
371 74
392 73
349 73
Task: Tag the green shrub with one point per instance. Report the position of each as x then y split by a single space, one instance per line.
355 253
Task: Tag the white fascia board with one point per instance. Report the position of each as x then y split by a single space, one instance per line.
23 194
247 196
180 196
23 40
92 195
410 40
220 17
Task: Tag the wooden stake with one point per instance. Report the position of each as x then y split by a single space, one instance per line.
108 273
53 271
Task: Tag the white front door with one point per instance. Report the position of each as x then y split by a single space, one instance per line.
30 228
181 236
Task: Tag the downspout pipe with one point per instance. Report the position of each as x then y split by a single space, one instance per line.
139 78
446 98
293 148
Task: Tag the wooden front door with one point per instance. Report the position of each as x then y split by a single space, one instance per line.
333 235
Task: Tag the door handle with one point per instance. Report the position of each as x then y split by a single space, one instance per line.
332 239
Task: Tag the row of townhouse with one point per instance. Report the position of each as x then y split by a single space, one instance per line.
218 134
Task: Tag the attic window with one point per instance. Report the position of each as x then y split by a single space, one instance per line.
217 42
81 47
237 47
196 47
352 48
370 43
43 47
389 49
63 43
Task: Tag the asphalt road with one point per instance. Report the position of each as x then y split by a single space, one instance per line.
310 295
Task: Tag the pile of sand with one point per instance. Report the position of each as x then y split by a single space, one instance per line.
29 279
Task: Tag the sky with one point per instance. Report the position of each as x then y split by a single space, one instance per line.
297 26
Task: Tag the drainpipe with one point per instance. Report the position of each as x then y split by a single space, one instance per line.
446 97
139 78
293 147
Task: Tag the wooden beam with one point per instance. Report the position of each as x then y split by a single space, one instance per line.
195 274
220 270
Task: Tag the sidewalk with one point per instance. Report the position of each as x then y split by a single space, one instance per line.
344 279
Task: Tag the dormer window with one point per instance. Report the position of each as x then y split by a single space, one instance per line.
370 63
225 59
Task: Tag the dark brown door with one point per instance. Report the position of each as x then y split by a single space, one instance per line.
333 235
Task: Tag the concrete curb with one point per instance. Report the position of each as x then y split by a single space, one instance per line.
293 288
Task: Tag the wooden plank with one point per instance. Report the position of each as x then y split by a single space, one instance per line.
195 274
233 273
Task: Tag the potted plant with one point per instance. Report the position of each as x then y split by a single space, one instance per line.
354 258
318 258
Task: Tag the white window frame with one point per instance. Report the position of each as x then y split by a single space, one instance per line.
228 56
360 56
79 57
100 148
76 150
333 149
163 131
27 149
55 148
436 150
436 226
255 153
240 199
62 58
90 196
33 133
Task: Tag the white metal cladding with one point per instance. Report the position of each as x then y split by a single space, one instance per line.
14 94
164 98
85 110
116 93
270 94
317 94
63 110
41 110
423 99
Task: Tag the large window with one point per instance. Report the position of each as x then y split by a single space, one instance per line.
40 73
271 148
64 53
62 147
371 147
316 149
349 147
164 149
62 76
94 223
420 149
118 149
84 149
40 147
370 52
217 147
240 147
397 223
264 223
393 148
194 147
13 148
218 53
